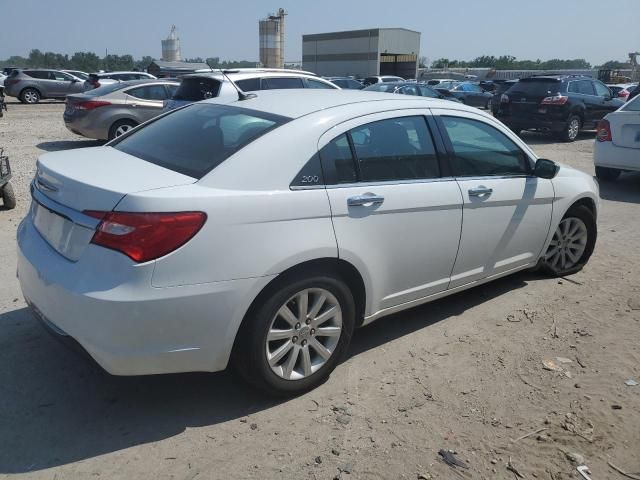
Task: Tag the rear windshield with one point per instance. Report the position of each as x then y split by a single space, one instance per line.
195 89
105 89
196 139
539 87
382 87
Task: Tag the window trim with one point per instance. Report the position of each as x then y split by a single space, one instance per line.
451 152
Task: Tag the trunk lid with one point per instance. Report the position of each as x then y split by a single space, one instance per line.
625 128
70 182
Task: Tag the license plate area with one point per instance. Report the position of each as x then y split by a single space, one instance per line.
65 237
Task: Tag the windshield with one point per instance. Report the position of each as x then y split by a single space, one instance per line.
381 87
196 139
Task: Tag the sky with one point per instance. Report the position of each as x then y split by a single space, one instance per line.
456 29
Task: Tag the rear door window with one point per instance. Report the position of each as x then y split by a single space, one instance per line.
249 84
395 149
150 92
338 163
276 83
39 74
196 139
585 87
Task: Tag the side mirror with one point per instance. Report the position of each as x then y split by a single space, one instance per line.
75 80
545 168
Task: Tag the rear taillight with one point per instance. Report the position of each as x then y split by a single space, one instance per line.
555 100
603 131
91 104
504 98
145 236
623 94
10 81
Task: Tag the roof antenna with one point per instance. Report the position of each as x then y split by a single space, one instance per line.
241 95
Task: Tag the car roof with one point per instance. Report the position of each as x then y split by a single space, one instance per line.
126 72
145 81
295 103
240 75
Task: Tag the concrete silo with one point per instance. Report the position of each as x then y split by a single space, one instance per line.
171 47
272 40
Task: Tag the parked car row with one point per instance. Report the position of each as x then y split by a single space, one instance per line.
32 85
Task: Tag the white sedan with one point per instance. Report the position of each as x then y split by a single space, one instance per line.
617 147
266 230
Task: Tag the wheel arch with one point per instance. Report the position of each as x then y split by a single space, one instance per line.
31 87
336 266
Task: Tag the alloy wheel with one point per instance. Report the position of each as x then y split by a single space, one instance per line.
568 244
30 96
304 334
122 129
574 128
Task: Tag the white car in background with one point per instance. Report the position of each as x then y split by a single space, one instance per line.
617 146
264 231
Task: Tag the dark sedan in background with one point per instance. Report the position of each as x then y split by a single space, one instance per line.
468 93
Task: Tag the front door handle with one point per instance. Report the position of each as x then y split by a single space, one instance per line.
479 191
365 199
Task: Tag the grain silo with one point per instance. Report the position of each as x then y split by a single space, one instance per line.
171 47
272 40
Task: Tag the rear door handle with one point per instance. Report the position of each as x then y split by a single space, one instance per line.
365 199
479 191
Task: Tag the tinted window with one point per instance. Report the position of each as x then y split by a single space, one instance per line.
390 79
409 90
61 77
41 74
395 149
371 80
585 87
337 161
601 90
318 84
249 84
195 89
382 87
104 90
428 92
196 139
481 150
282 83
150 92
172 89
538 87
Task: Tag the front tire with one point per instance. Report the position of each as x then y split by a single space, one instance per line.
605 174
572 243
30 96
298 333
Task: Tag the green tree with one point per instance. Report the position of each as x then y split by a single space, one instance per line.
85 61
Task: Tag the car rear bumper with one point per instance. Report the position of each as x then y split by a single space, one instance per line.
85 126
608 154
124 323
531 123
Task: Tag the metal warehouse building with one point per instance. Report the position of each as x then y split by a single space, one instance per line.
377 51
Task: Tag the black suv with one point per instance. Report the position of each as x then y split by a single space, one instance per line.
561 104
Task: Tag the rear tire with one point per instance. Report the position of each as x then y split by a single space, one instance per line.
8 196
571 129
121 127
575 236
30 96
605 174
254 354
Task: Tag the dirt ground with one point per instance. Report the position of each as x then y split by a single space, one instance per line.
463 374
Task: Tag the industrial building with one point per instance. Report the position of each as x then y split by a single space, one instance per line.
271 31
171 47
362 53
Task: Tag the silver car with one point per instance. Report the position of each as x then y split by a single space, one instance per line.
109 111
32 85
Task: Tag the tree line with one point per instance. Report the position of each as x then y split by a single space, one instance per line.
90 62
509 62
